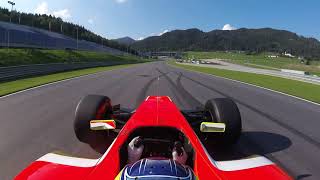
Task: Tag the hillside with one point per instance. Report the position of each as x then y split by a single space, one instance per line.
54 24
250 40
125 41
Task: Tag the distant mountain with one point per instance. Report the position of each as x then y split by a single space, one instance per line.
250 40
125 40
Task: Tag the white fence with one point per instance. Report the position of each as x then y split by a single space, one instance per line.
294 71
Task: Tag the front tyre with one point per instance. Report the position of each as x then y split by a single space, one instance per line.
224 110
91 107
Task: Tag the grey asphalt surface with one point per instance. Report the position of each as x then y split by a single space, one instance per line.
39 121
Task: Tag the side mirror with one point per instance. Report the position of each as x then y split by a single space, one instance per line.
212 127
99 125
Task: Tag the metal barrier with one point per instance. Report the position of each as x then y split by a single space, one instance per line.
295 72
17 72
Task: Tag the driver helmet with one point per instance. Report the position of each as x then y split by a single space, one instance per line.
158 169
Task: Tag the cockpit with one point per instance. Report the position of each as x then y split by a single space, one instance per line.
162 153
158 142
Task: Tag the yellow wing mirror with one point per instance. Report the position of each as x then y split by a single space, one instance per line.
212 127
100 125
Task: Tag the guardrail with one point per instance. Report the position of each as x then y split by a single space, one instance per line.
17 72
294 72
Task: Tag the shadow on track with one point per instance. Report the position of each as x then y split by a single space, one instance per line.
250 144
102 143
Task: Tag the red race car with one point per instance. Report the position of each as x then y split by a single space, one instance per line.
156 141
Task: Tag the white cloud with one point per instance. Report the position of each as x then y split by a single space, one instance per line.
64 14
165 31
90 21
42 8
228 27
159 34
154 34
121 1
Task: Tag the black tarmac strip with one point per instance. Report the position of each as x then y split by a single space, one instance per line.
39 121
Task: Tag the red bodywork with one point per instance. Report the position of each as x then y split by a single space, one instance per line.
158 112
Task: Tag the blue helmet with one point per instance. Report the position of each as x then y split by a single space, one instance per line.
158 169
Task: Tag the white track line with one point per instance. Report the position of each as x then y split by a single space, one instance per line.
56 82
251 85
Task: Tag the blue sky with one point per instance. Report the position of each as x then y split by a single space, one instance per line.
142 18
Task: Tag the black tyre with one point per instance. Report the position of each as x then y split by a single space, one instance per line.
88 109
224 110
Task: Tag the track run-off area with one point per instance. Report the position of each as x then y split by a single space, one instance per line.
280 127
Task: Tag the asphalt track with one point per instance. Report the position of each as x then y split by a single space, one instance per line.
39 121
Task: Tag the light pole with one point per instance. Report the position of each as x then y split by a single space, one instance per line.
77 38
8 40
102 42
12 4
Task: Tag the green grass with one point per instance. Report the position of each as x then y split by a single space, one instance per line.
318 74
259 61
260 66
13 57
18 85
296 88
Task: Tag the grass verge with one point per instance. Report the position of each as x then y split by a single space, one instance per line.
300 89
18 85
14 57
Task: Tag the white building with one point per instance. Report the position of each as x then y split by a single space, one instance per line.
288 55
273 56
